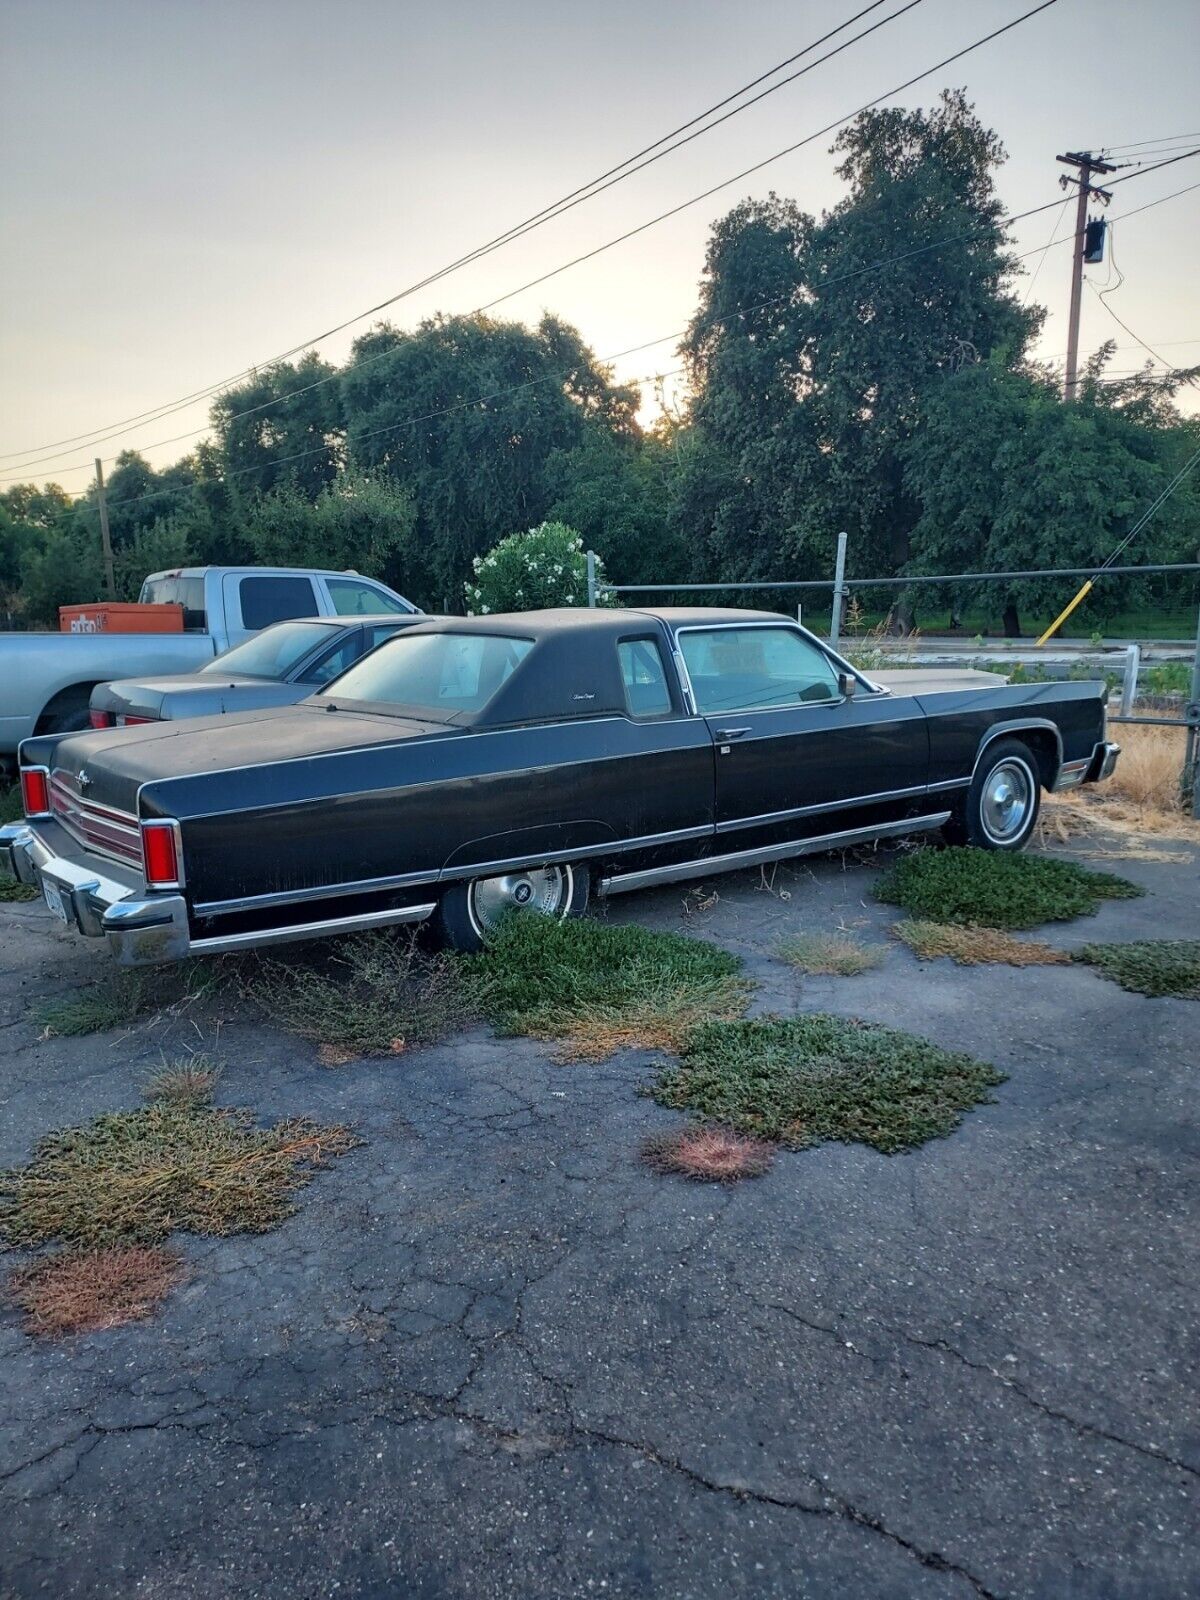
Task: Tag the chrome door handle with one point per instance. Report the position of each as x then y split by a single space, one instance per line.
731 733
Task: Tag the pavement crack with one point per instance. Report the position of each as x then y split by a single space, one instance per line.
945 1348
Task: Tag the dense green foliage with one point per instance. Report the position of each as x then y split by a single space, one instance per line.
867 369
996 890
801 1080
1149 966
602 986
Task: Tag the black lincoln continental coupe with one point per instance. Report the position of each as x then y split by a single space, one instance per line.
469 766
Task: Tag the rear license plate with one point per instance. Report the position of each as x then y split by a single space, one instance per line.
52 895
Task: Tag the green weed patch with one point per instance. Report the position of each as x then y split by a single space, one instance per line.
1157 967
803 1080
993 889
600 986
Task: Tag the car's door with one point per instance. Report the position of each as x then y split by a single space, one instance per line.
789 745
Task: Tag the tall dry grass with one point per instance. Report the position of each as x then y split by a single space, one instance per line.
1143 796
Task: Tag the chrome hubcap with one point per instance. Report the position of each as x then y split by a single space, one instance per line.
1006 801
543 889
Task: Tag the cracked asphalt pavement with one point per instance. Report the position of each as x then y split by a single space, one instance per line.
492 1355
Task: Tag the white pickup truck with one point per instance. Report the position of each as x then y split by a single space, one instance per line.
46 679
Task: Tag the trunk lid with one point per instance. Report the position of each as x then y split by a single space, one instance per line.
106 768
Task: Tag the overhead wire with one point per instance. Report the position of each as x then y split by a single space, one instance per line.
567 202
17 475
556 377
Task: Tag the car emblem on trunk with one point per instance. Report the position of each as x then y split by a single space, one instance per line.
83 780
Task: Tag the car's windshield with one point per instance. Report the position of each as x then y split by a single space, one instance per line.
438 674
275 651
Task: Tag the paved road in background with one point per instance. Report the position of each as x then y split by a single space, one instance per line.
493 1356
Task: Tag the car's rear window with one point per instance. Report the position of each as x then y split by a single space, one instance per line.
274 652
437 674
185 592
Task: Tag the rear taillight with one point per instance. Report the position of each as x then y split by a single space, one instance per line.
100 719
35 791
162 855
132 722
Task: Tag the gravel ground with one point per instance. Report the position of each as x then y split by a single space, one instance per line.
493 1356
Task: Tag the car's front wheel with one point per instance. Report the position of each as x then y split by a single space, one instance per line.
470 912
1001 807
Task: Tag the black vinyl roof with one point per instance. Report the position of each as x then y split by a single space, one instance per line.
601 620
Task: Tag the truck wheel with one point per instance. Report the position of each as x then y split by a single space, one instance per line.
68 712
469 912
1002 804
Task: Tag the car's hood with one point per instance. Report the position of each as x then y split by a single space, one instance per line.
109 766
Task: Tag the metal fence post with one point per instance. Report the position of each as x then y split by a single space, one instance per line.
1191 765
591 577
839 590
1133 661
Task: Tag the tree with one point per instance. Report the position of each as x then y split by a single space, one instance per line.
1008 477
464 414
281 427
816 343
617 493
357 521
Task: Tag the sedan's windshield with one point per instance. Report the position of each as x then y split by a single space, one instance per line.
275 651
438 674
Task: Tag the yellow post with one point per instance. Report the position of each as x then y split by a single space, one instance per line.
1063 615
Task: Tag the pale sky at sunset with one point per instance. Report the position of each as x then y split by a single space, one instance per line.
191 186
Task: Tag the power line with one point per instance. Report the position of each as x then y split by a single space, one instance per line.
1137 144
1166 494
556 377
1045 249
1122 324
567 202
633 232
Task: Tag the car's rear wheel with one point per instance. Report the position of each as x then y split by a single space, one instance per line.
469 913
1001 807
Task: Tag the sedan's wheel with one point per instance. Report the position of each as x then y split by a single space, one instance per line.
1001 806
470 912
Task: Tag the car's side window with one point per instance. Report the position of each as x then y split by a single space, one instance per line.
738 669
335 661
267 600
644 678
352 598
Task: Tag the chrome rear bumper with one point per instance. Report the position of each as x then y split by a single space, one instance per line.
1088 769
141 929
146 929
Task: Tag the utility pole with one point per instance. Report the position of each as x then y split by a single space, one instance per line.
1085 163
109 576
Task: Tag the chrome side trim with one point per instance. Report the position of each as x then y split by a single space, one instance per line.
310 930
766 818
623 883
947 784
331 891
1019 725
473 869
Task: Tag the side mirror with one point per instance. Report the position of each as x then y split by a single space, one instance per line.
847 683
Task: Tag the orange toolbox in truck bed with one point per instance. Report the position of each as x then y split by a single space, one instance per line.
111 616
